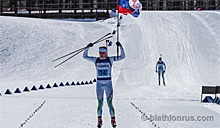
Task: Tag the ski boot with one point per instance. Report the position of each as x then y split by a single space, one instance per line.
159 82
164 83
99 125
113 122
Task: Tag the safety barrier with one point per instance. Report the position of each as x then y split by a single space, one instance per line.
210 90
41 87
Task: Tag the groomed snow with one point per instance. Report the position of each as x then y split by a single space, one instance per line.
188 41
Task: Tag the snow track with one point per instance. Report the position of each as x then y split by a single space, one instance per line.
188 41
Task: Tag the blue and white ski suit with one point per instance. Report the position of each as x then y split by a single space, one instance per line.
104 82
161 68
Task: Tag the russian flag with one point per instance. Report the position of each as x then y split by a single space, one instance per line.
132 7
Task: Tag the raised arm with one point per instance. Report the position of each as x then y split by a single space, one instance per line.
122 56
89 58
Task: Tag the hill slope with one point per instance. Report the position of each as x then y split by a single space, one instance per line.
188 41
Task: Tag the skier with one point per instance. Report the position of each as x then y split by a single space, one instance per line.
103 65
113 13
160 69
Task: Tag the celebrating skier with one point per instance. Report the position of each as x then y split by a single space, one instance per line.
160 69
103 65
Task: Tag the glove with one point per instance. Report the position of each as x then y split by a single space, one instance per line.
118 44
163 71
90 45
113 32
156 71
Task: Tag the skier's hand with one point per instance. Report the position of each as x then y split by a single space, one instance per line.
156 71
163 71
90 45
118 44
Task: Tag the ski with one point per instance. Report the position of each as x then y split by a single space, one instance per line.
68 58
99 40
80 50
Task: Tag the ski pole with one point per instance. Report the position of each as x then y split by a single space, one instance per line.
152 70
117 52
102 40
103 37
79 51
99 40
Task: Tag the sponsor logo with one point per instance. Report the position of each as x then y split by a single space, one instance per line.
102 66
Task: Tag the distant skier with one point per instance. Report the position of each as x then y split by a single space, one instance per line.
113 13
160 69
103 65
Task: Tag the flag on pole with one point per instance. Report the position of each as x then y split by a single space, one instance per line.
132 7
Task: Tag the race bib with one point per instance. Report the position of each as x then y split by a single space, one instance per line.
103 72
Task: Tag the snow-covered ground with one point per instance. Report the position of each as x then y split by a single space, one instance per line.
188 41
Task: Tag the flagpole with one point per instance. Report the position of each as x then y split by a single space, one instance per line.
118 29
